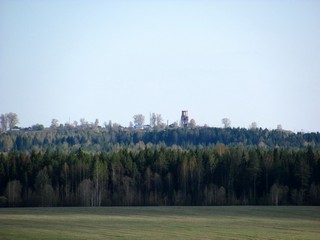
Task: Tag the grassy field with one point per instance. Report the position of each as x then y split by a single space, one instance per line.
161 223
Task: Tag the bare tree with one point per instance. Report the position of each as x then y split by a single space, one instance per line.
156 120
138 119
279 127
12 119
153 120
54 123
84 123
159 120
4 122
226 122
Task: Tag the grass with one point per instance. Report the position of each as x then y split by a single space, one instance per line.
161 223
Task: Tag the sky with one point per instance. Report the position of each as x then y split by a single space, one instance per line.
249 61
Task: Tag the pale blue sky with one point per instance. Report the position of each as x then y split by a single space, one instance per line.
245 60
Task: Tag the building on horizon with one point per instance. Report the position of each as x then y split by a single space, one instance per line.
184 119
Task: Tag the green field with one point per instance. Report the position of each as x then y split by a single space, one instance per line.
161 223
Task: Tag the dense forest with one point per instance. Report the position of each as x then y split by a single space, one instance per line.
155 175
96 139
116 166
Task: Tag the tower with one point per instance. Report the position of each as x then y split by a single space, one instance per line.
184 119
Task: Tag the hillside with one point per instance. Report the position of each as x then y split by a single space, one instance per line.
96 139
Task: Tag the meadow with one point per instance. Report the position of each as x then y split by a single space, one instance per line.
230 222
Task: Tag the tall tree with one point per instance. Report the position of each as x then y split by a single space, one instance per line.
96 123
44 188
86 192
159 120
4 122
153 120
13 193
12 119
192 123
226 122
267 162
254 168
54 123
156 120
65 180
99 181
138 119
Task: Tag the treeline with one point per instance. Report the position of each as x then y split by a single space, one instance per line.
96 139
159 175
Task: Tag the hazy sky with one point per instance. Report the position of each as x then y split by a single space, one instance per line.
245 60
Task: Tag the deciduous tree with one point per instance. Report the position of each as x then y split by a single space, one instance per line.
226 122
253 126
12 119
192 123
44 188
13 193
54 123
138 119
4 122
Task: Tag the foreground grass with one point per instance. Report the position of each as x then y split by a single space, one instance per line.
161 223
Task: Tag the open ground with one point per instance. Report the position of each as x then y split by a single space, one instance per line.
253 222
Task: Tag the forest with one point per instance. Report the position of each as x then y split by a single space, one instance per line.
155 175
115 166
111 137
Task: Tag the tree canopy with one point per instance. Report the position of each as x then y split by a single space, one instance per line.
89 165
93 138
157 175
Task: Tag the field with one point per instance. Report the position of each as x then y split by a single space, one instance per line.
161 223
